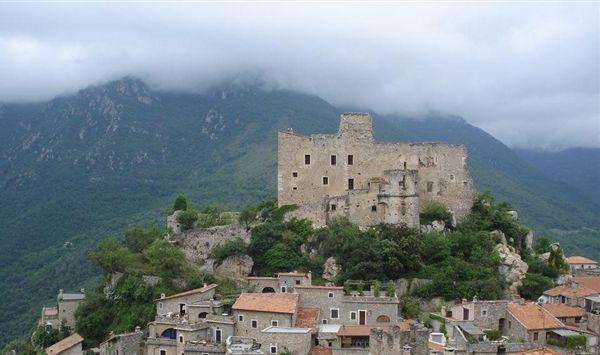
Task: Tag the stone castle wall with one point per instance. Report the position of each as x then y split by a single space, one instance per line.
390 182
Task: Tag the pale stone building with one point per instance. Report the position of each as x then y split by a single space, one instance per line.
350 175
70 345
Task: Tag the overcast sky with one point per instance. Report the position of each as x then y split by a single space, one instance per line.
526 73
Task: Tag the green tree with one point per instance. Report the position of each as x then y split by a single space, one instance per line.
181 203
111 255
231 247
435 211
247 216
45 336
137 238
534 286
376 288
167 260
410 308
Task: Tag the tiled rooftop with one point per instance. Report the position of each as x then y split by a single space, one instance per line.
590 282
267 302
580 260
190 292
533 316
562 310
307 318
65 344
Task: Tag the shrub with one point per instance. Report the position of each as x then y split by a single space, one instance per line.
410 309
435 211
181 203
187 219
492 334
167 260
231 247
376 288
111 255
138 238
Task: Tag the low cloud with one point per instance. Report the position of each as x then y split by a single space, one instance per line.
529 74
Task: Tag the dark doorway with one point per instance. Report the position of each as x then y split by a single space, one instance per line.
465 314
362 317
268 290
501 322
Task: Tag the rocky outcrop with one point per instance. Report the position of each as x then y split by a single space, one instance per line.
511 267
498 237
173 223
435 226
529 240
197 243
235 267
331 269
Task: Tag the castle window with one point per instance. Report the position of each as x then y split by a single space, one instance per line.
429 186
403 208
350 159
404 165
330 294
403 182
333 207
334 313
295 188
295 174
333 160
297 282
325 180
373 208
307 159
350 184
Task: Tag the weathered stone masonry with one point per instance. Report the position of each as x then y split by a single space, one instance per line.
349 174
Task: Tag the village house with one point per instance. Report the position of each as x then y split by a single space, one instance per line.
283 282
581 264
530 322
571 293
348 174
70 345
568 315
189 322
126 343
64 311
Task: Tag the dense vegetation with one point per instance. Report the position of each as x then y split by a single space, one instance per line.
84 166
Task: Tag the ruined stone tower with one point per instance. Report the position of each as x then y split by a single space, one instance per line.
349 174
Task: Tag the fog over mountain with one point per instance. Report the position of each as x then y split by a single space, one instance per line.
526 73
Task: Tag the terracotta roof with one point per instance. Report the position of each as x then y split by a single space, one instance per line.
50 311
319 350
307 318
322 287
591 282
570 291
267 302
65 344
189 292
532 316
560 310
580 260
539 351
355 330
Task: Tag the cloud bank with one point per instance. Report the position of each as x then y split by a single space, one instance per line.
527 73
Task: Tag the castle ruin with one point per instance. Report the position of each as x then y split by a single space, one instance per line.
350 175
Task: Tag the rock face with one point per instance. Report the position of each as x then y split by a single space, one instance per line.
197 243
173 223
235 267
331 269
529 240
498 237
511 267
435 226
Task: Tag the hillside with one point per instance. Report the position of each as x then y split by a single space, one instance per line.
81 167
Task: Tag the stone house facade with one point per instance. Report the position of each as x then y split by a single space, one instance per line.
127 343
350 175
283 282
530 322
254 312
486 315
293 340
67 305
71 345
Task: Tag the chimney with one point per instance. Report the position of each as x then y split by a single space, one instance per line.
138 329
61 292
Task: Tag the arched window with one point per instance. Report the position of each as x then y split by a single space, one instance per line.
169 333
268 290
383 319
202 315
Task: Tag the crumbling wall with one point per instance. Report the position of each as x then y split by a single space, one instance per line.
315 172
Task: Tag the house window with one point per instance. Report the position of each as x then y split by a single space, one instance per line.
295 174
335 313
307 159
535 336
373 208
429 186
325 180
330 295
283 289
484 312
295 188
350 159
163 352
218 336
352 315
350 184
254 323
333 207
297 282
324 321
333 160
273 349
275 323
181 338
509 324
240 318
